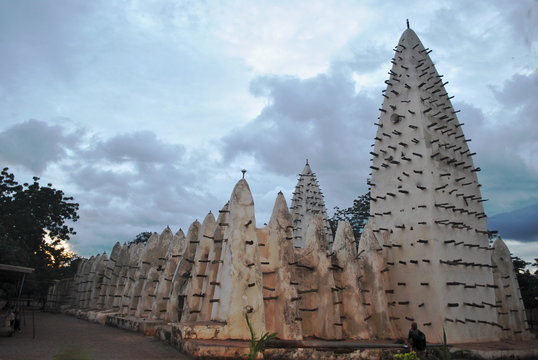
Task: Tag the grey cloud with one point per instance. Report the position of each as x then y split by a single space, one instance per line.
320 118
481 43
370 58
91 177
126 184
35 144
523 17
323 119
114 65
520 224
37 30
485 24
519 93
505 141
98 62
138 147
135 203
131 183
135 168
139 159
364 57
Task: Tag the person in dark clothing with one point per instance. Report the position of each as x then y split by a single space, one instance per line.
17 323
416 338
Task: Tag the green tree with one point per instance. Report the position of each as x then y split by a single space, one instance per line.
34 223
143 237
356 215
528 282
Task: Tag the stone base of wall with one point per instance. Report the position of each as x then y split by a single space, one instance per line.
195 340
198 330
145 326
192 339
309 349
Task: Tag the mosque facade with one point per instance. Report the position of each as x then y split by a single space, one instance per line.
423 257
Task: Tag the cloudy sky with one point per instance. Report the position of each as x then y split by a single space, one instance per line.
146 111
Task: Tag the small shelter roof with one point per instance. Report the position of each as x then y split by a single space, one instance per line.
14 268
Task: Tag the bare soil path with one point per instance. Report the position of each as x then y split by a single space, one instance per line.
61 337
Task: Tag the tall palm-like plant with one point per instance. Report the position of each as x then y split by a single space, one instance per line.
257 345
446 352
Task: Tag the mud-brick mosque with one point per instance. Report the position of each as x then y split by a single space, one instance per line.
423 257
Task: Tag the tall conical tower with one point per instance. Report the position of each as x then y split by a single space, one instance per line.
426 206
307 202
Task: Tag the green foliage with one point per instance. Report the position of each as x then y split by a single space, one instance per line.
407 356
445 353
70 269
33 225
519 264
143 237
356 215
528 282
257 345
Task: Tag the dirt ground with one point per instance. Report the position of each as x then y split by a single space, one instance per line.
61 337
500 345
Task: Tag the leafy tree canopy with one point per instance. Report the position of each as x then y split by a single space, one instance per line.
528 282
143 237
356 215
33 224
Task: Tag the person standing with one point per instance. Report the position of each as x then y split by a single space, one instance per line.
416 338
